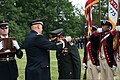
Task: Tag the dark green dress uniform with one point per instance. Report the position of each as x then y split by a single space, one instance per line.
8 66
38 60
69 63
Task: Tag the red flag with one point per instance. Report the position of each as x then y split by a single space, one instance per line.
88 14
89 3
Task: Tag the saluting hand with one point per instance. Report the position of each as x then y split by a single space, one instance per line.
68 39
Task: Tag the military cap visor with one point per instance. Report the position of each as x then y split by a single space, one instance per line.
57 32
37 22
4 24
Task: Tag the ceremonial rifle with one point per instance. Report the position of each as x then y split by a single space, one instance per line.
85 55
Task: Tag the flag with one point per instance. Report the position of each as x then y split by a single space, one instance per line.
113 13
88 14
90 3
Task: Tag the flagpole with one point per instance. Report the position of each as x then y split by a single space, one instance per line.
99 14
118 23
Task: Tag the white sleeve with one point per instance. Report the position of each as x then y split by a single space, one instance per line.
1 45
117 28
15 44
99 30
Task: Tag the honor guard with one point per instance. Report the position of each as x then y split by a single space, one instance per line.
107 60
92 51
8 49
118 54
69 63
37 51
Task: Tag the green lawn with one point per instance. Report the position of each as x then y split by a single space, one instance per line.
54 72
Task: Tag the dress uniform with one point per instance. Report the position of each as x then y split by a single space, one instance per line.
93 56
118 54
69 63
107 61
8 49
37 51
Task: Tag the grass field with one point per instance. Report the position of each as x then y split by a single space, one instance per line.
53 62
54 72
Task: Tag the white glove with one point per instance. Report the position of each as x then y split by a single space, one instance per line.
1 45
117 28
114 68
85 66
98 68
15 44
99 30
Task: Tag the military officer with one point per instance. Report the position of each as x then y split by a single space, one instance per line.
69 63
37 51
8 49
107 60
93 59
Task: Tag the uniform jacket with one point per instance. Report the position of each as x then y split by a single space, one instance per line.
108 47
69 63
93 48
38 60
8 69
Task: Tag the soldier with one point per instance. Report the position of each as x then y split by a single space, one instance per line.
69 63
107 60
92 53
118 54
8 49
37 51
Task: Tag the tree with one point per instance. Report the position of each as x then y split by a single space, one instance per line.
56 14
9 11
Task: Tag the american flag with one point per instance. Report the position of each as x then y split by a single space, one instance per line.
88 14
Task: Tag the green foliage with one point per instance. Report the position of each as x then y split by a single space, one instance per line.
57 14
17 31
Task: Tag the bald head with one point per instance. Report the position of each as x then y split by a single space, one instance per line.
37 27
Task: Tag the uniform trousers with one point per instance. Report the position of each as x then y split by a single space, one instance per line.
92 71
106 71
118 64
